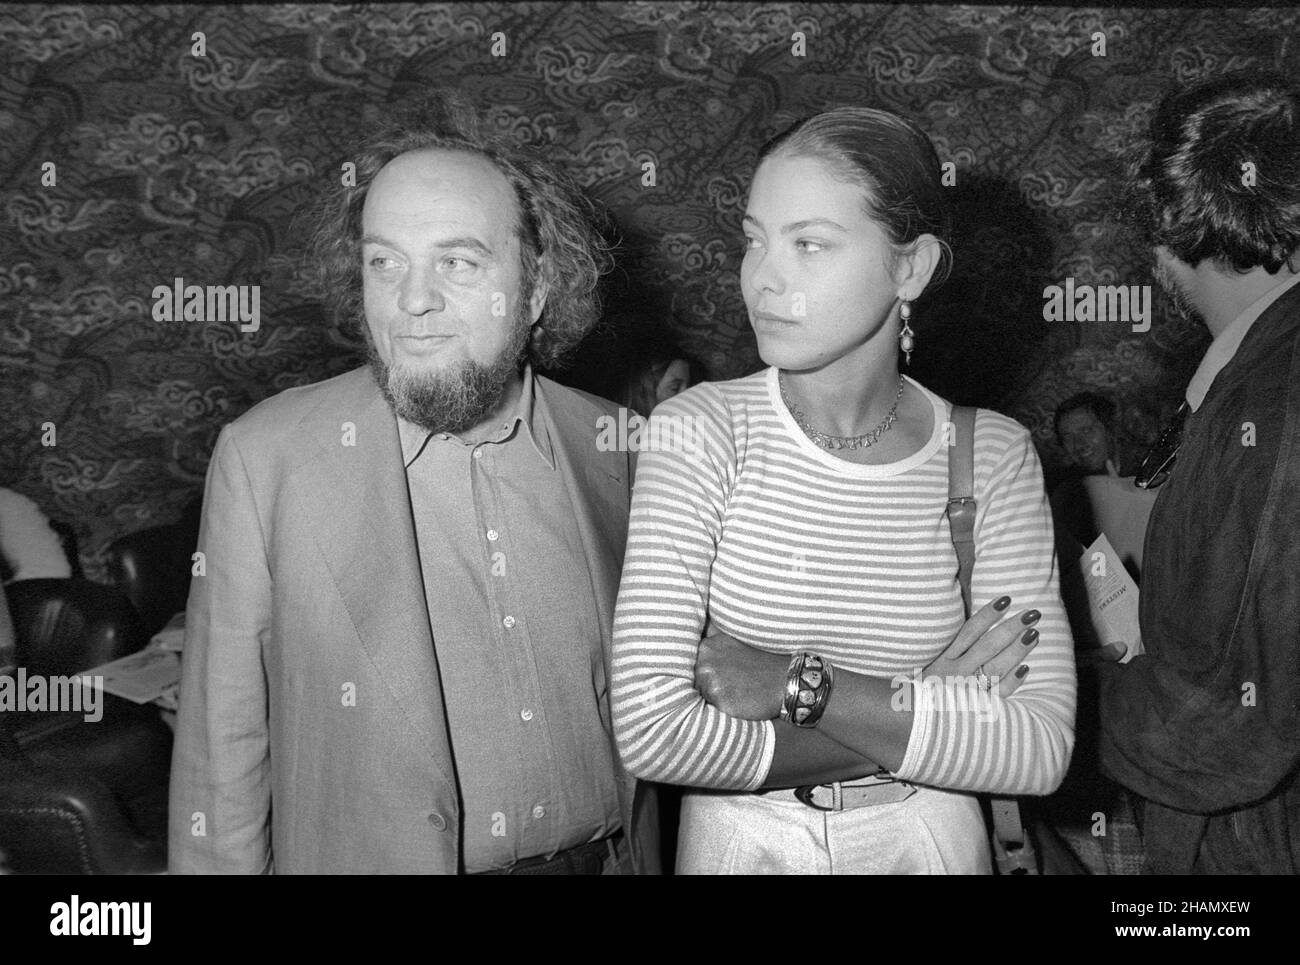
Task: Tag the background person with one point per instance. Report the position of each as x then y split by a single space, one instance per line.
1206 725
1085 429
1097 498
657 372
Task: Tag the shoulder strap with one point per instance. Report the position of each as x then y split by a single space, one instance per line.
961 495
1011 846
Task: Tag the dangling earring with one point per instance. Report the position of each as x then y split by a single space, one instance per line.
906 337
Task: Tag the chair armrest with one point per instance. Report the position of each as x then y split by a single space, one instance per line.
60 814
58 822
8 644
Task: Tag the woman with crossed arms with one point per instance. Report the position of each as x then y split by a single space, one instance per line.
803 535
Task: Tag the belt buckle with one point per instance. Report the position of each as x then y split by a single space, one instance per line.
804 795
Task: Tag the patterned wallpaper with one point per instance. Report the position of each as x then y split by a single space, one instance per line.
126 161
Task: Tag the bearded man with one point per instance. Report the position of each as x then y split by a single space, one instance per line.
398 658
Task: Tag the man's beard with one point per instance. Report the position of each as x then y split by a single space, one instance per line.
455 398
1182 304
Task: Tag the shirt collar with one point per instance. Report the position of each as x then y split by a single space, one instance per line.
1226 343
530 414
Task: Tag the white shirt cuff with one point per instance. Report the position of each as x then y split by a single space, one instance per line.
923 702
765 760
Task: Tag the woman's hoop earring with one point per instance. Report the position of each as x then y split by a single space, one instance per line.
906 337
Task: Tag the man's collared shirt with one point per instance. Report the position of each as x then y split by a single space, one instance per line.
1226 343
514 623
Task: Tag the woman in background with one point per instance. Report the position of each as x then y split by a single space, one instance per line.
810 521
658 372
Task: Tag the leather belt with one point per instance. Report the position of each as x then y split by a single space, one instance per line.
846 795
585 859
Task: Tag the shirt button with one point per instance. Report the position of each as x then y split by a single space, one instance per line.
526 714
492 535
508 622
539 812
438 821
478 453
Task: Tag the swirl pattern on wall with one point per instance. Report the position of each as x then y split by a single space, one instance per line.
131 159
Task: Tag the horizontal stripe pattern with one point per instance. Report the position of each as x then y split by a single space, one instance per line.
785 549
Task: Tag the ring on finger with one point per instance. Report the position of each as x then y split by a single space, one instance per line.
984 681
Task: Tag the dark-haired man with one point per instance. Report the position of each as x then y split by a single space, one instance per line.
1097 499
397 660
1206 725
1085 429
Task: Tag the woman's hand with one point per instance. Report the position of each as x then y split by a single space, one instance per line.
740 680
997 651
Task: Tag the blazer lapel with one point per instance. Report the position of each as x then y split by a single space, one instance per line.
358 494
599 486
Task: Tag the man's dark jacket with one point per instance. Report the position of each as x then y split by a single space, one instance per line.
1206 725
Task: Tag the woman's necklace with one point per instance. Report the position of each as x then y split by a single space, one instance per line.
826 441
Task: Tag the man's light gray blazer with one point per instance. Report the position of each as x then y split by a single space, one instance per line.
311 735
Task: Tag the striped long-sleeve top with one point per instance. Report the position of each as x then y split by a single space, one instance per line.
739 518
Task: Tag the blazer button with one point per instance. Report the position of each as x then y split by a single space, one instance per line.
438 821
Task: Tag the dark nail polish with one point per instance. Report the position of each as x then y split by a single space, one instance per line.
1029 637
1021 671
1002 603
1030 617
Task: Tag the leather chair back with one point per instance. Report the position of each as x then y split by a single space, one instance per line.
153 566
66 626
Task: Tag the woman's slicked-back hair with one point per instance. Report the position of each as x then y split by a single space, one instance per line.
1219 177
565 236
890 158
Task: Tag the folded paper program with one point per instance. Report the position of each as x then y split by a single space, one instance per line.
1112 598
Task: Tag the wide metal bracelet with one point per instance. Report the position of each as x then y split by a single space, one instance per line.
808 689
791 683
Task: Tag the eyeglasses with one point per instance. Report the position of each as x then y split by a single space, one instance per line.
1159 461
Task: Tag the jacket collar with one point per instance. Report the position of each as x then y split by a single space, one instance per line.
1225 345
525 414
